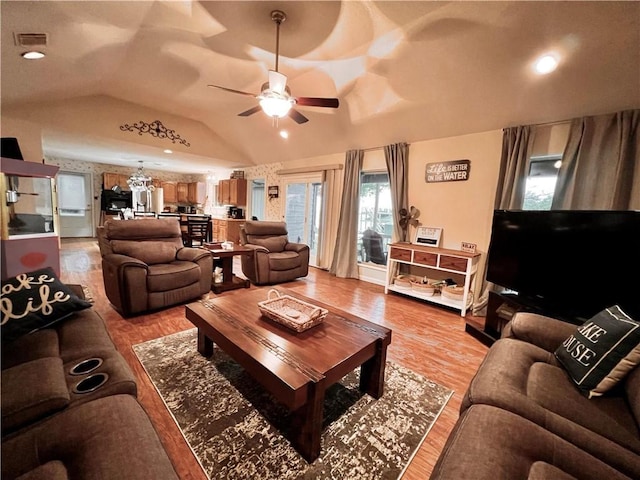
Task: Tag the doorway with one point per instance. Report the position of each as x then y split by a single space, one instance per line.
74 204
256 201
303 211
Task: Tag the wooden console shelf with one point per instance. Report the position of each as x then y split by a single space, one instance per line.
441 259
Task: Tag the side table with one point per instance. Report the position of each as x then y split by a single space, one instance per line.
229 279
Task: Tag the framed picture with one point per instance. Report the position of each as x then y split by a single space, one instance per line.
273 191
429 236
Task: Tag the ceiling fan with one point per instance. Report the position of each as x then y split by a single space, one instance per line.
275 97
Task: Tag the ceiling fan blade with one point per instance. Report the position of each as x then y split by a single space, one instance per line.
232 90
297 116
317 102
277 81
251 111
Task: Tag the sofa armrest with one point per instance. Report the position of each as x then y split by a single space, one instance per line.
296 247
190 254
31 391
118 260
105 438
257 248
545 332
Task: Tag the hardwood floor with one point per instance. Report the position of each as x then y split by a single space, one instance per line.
427 339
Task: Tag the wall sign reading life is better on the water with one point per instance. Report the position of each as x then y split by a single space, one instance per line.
452 171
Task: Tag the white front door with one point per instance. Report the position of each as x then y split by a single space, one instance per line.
74 204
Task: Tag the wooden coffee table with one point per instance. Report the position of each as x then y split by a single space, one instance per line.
296 368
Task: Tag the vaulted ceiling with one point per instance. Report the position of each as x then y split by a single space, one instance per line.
403 71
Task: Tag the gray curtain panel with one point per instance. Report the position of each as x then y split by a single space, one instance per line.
345 255
517 144
601 164
397 158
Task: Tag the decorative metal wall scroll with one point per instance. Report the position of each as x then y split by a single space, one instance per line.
155 129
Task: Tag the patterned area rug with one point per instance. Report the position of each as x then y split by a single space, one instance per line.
233 426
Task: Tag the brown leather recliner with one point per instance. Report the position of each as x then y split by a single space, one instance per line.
146 267
274 259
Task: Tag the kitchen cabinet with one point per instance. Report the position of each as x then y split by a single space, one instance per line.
223 192
226 229
232 192
170 192
110 180
183 192
196 193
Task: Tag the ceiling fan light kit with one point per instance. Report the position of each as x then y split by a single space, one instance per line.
274 106
275 98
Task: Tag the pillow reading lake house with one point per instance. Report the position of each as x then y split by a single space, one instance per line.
35 300
601 351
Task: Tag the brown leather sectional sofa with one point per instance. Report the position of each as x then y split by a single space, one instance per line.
69 407
522 417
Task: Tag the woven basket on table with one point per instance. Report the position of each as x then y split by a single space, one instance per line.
291 312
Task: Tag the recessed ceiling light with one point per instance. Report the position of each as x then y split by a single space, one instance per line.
284 134
168 151
558 164
32 55
546 64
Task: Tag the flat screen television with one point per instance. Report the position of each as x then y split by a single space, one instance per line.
569 264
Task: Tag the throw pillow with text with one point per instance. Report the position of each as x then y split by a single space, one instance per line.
35 300
601 351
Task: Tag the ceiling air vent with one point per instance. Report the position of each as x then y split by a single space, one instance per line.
30 40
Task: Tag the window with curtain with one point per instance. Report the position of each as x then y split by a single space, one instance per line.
375 218
541 182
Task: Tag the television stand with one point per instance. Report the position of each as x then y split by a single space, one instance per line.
500 310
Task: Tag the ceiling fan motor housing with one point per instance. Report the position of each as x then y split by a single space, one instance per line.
278 16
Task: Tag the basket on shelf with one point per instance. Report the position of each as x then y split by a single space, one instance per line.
424 288
453 292
291 312
403 281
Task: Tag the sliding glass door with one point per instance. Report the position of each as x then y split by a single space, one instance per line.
303 209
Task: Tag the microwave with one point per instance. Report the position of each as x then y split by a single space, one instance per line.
186 209
235 212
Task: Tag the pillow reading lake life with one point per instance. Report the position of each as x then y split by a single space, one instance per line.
34 300
601 351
